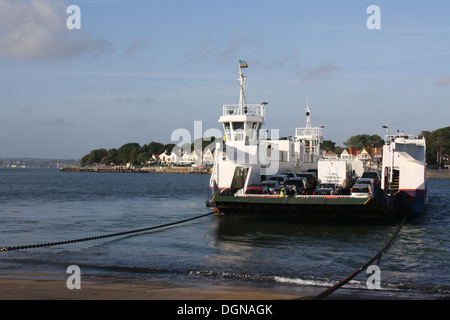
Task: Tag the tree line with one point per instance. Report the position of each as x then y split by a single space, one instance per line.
358 141
134 153
438 148
437 145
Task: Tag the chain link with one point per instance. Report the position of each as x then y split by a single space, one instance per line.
40 245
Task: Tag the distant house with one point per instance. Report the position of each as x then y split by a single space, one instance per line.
166 157
365 154
173 158
208 157
345 155
350 154
186 159
155 159
196 157
330 155
353 152
378 155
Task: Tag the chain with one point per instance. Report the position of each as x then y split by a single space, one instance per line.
49 244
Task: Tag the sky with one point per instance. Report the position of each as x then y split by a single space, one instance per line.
138 70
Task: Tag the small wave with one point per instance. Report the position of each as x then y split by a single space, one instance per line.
304 282
419 291
232 275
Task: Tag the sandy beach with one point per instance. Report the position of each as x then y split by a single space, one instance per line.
54 287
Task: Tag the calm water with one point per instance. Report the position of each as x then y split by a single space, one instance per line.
43 205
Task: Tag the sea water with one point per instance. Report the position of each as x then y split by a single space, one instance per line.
46 205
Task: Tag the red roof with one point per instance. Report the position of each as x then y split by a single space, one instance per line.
353 151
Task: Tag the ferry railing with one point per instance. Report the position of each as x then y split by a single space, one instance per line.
248 109
331 196
305 131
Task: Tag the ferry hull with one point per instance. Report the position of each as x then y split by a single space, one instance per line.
413 200
332 209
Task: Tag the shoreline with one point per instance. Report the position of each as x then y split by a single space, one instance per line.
438 174
189 170
431 174
42 286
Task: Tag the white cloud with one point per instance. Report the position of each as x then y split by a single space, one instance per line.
34 30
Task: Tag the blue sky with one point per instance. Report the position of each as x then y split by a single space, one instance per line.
138 70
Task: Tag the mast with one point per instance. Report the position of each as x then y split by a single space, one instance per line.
242 83
308 117
311 136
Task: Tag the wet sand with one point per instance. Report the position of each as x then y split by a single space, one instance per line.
54 287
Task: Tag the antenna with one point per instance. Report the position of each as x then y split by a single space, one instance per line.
242 83
308 117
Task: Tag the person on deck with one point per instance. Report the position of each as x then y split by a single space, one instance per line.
283 192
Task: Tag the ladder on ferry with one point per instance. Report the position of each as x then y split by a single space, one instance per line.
395 181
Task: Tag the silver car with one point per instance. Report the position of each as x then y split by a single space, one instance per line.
362 190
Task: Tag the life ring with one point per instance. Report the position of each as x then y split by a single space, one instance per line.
409 200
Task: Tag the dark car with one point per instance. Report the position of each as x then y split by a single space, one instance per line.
293 186
271 184
257 190
372 175
365 181
311 179
323 191
281 178
290 174
326 185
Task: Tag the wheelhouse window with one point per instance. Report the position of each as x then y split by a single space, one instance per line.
238 126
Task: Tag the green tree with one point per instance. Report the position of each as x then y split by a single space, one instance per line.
124 152
169 147
363 140
338 150
438 146
143 157
84 160
328 145
155 148
204 142
112 156
134 155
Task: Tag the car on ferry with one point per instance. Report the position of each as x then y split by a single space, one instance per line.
290 174
362 190
365 181
327 185
271 184
323 192
374 175
311 180
281 178
293 186
257 190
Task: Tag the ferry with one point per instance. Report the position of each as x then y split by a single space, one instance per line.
248 156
